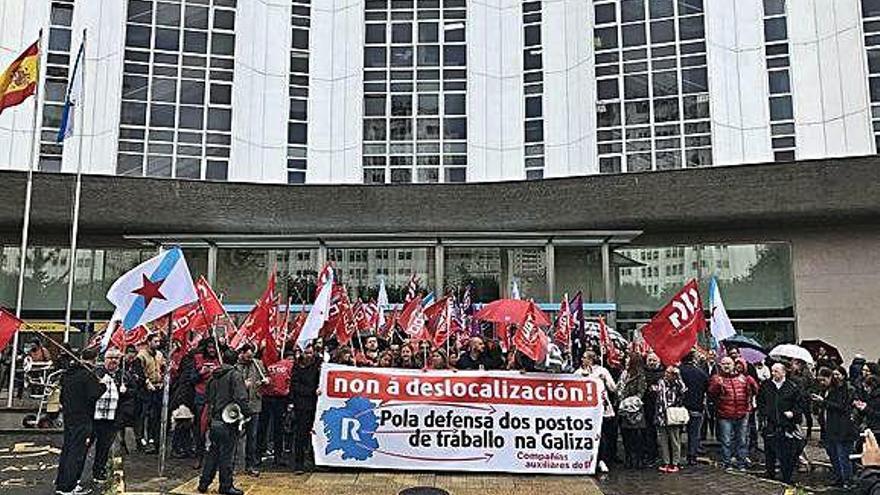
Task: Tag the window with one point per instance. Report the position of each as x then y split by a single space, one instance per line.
665 83
428 32
607 89
533 35
605 13
375 33
662 32
781 108
633 35
632 10
666 110
774 7
694 81
775 29
534 107
605 38
454 104
690 28
779 82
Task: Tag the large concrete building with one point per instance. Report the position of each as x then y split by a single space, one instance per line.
610 97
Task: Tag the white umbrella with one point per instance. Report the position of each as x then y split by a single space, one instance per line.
792 351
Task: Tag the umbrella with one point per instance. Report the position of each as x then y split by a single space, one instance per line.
742 342
752 356
512 312
813 346
792 351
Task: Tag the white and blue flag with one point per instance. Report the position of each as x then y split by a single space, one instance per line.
719 323
153 289
74 96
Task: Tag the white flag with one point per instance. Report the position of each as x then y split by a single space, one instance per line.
514 292
319 312
720 323
153 289
382 302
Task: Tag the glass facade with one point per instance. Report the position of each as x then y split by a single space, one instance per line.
652 85
755 281
415 82
176 115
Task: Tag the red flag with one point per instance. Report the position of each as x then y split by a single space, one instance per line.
612 356
210 303
530 340
672 332
413 320
257 326
345 322
444 322
122 339
9 324
386 331
333 313
564 324
297 326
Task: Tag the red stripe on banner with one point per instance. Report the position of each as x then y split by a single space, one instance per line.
497 390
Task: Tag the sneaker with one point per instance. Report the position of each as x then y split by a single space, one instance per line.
252 472
232 491
99 480
673 469
663 469
603 468
80 490
59 492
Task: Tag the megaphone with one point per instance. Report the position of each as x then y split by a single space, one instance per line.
232 415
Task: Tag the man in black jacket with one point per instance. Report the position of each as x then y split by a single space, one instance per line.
697 381
80 390
781 403
226 387
304 401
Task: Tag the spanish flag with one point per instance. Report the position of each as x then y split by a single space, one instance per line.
21 78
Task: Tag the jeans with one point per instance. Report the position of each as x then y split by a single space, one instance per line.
778 447
304 419
838 453
695 424
73 455
104 435
669 440
252 457
734 435
272 425
219 456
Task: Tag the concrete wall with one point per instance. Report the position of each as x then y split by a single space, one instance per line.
837 286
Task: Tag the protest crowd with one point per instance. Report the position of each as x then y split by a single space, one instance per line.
248 397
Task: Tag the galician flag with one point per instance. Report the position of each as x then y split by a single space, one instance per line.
719 323
153 289
74 96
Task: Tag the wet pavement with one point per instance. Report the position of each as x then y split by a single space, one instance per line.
28 463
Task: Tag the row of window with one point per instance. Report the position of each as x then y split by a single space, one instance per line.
871 26
533 89
652 85
782 129
297 126
176 113
57 64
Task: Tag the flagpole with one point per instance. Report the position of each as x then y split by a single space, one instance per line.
166 384
26 221
71 275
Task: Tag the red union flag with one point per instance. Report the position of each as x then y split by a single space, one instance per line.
672 332
529 339
413 320
564 323
444 322
210 303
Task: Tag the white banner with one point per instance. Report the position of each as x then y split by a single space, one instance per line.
461 421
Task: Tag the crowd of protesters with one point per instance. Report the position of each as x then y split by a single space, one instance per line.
662 414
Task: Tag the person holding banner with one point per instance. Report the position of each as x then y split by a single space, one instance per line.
304 402
205 362
591 368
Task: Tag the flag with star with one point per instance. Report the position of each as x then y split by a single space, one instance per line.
153 289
